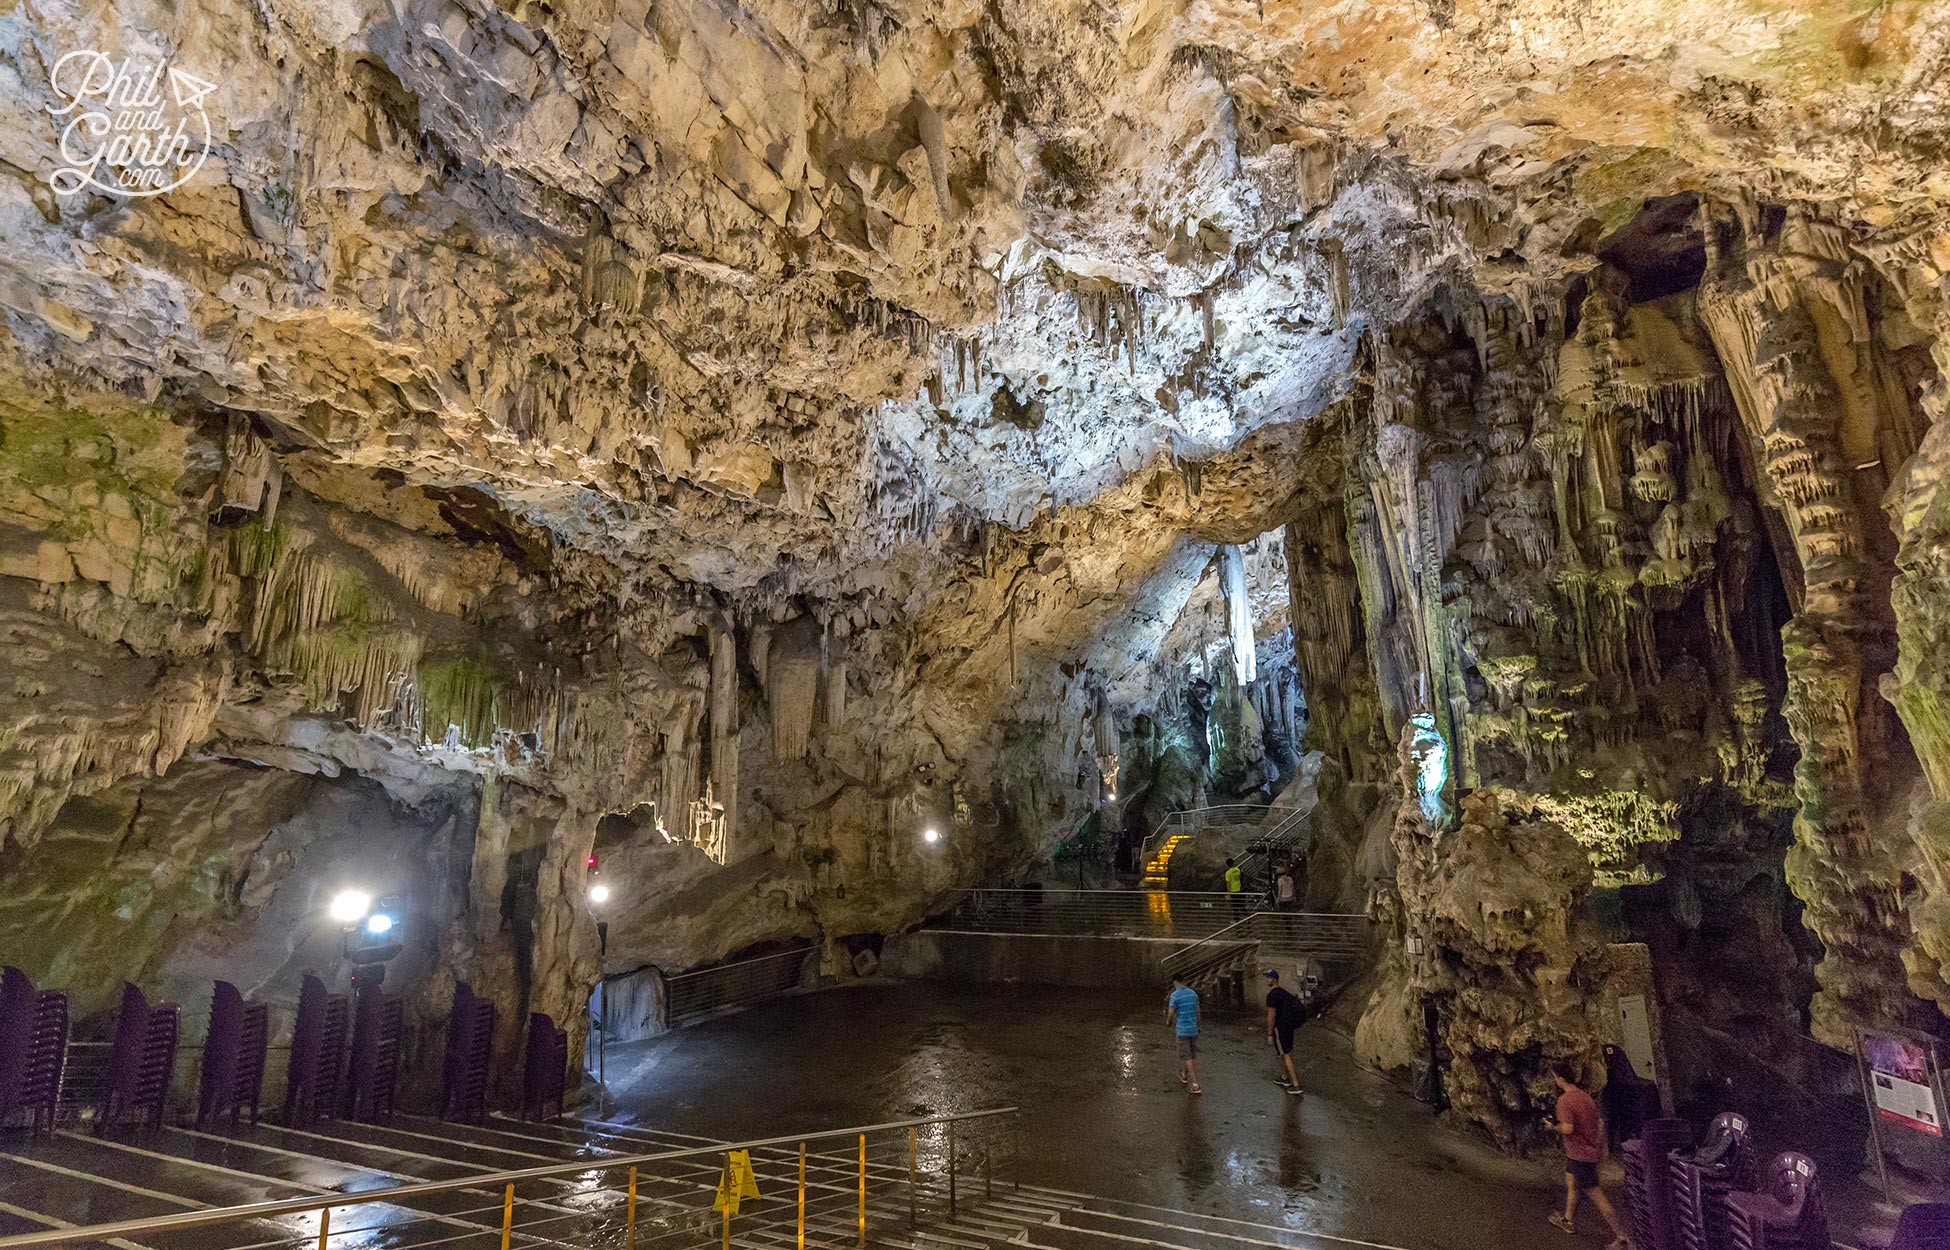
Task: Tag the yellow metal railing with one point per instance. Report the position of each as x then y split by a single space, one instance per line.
904 1173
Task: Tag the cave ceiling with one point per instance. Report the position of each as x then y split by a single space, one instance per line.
786 426
801 298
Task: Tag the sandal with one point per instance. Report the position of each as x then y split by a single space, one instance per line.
1558 1221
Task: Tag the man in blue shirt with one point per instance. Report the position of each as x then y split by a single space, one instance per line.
1181 1012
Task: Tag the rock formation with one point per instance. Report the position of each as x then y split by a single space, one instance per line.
729 439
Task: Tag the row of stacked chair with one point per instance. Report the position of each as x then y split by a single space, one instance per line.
33 1049
345 1057
470 1047
1684 1197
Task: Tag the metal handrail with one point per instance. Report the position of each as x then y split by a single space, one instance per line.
1105 913
1193 820
704 990
335 1201
1284 919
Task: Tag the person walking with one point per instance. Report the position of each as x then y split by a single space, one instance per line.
1576 1122
1181 1012
1283 889
1284 1014
1235 884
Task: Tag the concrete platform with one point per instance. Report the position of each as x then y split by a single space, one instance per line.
1103 1113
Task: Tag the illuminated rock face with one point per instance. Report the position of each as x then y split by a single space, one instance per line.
731 439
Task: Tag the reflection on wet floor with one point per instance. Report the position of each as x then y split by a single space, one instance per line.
1102 1111
1102 1115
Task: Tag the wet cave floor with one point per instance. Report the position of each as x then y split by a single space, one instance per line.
1093 1072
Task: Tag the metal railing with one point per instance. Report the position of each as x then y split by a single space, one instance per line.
1288 831
1104 913
904 1174
85 1074
689 995
1330 937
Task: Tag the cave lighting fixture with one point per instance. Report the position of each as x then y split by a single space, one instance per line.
931 835
599 894
349 907
379 924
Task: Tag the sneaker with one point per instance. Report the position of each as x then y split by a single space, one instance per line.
1197 1090
1182 1078
1294 1090
1558 1221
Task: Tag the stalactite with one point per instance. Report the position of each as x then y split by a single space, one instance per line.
1239 614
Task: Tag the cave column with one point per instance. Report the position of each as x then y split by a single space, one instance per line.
1771 314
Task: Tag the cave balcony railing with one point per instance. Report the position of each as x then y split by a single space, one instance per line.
839 1187
1283 936
1090 913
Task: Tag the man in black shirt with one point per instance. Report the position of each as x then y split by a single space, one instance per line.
1284 1014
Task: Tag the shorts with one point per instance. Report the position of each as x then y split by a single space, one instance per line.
1188 1046
1283 1039
1583 1175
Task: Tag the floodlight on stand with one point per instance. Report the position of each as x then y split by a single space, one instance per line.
349 907
379 924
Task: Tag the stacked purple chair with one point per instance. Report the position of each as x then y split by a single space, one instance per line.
315 1080
33 1049
470 1047
233 1057
1786 1215
1704 1178
141 1063
378 1023
1648 1182
546 1078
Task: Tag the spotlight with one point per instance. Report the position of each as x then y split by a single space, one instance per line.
931 835
379 924
599 894
349 907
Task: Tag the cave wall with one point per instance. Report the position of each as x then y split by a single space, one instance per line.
240 679
1621 549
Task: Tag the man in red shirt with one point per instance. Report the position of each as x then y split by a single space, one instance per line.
1576 1122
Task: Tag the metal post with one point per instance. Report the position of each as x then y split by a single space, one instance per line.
802 1196
951 1167
507 1215
1015 1152
727 1226
863 1189
602 1020
629 1217
988 1175
324 1227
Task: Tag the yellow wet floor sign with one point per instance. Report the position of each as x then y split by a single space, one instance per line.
736 1182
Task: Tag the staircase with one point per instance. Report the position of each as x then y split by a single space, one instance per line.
1285 838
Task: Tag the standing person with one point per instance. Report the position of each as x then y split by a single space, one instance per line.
1284 1014
1576 1122
1235 883
1283 891
1181 1012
